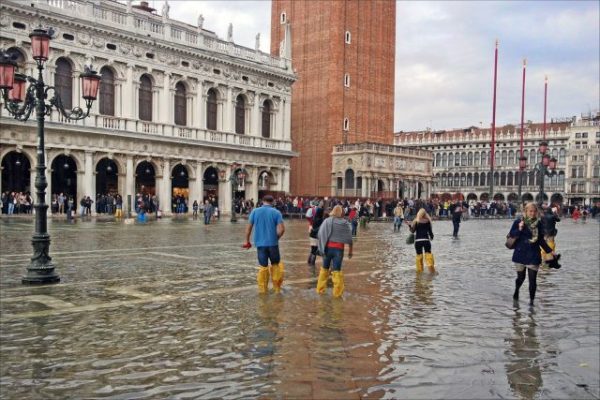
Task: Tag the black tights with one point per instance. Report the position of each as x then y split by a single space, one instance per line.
532 276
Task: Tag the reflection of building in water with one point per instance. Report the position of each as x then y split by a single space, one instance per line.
523 371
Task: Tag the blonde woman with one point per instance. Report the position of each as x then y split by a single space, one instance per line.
334 233
526 256
421 227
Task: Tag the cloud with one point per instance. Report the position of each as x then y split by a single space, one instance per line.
445 55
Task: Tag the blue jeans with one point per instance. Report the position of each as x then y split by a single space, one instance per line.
335 255
397 223
207 218
354 226
456 225
268 253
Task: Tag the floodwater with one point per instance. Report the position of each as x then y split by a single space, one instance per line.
169 309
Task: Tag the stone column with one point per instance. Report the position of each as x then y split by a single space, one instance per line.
287 129
198 185
257 112
88 178
227 112
225 193
220 119
285 179
129 185
165 197
129 107
254 185
166 105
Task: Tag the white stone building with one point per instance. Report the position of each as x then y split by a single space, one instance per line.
381 171
583 160
179 109
461 160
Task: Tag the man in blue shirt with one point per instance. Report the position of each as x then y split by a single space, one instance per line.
268 228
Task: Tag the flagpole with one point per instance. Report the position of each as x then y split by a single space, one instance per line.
493 153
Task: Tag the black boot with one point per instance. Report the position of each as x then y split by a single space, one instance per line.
518 282
312 259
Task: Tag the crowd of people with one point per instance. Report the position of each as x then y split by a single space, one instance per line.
16 203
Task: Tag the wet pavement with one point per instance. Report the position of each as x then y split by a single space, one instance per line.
169 309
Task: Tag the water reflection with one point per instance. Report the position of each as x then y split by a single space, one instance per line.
523 370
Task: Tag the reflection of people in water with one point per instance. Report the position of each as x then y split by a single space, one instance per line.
265 337
523 371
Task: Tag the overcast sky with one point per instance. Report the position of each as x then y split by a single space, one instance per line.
445 56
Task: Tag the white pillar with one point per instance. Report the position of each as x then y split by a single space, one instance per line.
220 122
256 119
88 178
228 111
225 195
165 195
166 105
130 92
196 186
253 194
201 106
285 179
129 185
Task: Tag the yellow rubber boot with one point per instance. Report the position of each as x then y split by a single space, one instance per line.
338 283
552 245
322 282
419 261
430 262
262 278
277 276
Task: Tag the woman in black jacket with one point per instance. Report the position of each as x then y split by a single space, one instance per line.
313 232
526 256
421 227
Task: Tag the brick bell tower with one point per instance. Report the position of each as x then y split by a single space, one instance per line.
343 53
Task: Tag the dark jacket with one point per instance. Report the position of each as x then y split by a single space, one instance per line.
528 253
317 221
422 231
549 221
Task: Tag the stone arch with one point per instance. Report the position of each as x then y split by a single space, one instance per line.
20 56
25 151
349 179
157 169
146 74
107 176
74 156
484 196
471 196
16 172
499 197
527 197
556 198
63 175
512 197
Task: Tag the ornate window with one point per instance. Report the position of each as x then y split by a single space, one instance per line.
240 115
107 92
180 104
349 179
63 82
266 119
145 98
211 110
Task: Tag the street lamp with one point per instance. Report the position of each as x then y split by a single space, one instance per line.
546 168
20 103
522 166
236 180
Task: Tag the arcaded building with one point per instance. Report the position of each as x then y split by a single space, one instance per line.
180 110
343 53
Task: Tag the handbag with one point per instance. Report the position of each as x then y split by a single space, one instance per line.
511 242
410 238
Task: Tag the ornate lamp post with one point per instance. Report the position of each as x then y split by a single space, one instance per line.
522 166
547 167
235 180
20 103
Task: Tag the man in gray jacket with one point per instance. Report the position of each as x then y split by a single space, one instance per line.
334 233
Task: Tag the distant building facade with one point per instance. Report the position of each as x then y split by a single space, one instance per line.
179 110
461 161
583 160
344 56
378 170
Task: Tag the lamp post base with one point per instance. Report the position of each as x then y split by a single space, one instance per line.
41 269
40 277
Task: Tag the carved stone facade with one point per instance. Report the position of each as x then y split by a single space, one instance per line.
381 171
186 67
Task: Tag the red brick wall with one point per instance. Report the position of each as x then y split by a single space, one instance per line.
320 102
